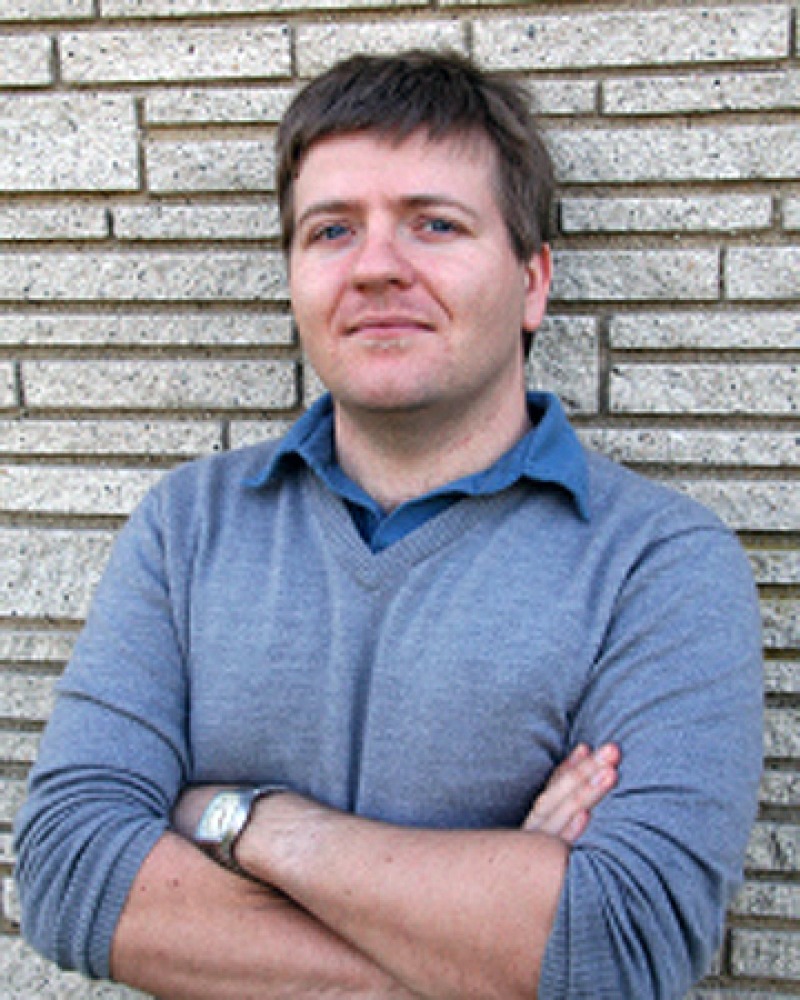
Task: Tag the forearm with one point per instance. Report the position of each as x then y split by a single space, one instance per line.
448 913
191 930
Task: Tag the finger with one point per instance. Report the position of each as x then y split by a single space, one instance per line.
576 786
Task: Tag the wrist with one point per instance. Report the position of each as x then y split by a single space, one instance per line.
225 819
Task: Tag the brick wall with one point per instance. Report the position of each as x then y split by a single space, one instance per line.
143 313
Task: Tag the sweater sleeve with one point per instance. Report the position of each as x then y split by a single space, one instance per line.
112 759
678 684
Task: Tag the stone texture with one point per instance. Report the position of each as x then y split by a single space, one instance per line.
782 676
769 899
216 385
211 276
668 446
175 54
25 61
791 214
29 977
563 97
50 572
8 391
186 329
750 505
740 91
6 848
109 437
712 213
781 618
764 389
28 646
779 789
776 566
782 732
18 747
74 142
706 330
71 222
11 902
12 793
318 46
73 490
196 222
217 106
247 432
700 153
43 10
25 697
772 953
633 39
210 165
181 8
635 275
774 847
765 273
564 360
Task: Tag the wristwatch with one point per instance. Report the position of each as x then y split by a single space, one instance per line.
224 819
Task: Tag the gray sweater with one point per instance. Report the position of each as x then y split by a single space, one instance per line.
248 634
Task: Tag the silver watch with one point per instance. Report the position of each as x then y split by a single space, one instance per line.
224 819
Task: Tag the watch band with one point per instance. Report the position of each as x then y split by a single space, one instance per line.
224 820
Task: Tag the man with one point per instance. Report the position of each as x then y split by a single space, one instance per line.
391 631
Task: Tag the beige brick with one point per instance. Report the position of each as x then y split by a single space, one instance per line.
320 45
11 903
685 214
613 275
759 505
217 106
175 54
313 386
782 732
209 329
25 697
74 142
8 391
563 97
580 40
27 646
197 222
772 953
29 977
210 276
763 273
781 618
706 330
12 794
69 222
791 213
18 747
210 165
631 155
774 847
766 389
6 848
50 572
769 899
685 446
217 385
734 993
782 676
248 432
740 91
65 490
181 8
564 360
775 566
46 10
109 437
25 61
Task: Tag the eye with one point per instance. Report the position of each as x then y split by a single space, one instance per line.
330 232
440 226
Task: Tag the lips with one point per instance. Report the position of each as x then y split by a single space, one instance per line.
387 322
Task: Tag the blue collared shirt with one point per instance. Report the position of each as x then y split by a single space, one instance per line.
550 452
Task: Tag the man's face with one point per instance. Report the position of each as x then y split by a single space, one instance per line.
405 288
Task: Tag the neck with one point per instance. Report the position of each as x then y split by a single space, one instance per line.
396 457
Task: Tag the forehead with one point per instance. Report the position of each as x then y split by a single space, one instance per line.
355 162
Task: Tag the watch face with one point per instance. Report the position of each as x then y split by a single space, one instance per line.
218 820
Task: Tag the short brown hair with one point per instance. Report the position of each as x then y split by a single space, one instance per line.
444 94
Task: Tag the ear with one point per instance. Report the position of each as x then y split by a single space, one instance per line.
538 275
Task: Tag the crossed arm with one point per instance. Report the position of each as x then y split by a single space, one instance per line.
340 906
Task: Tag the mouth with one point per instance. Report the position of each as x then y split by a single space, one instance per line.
386 326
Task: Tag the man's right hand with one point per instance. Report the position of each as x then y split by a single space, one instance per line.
563 809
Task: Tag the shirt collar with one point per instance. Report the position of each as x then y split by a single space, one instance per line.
550 452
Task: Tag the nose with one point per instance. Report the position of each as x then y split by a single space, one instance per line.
381 260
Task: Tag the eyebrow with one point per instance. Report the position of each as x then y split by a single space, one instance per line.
336 205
